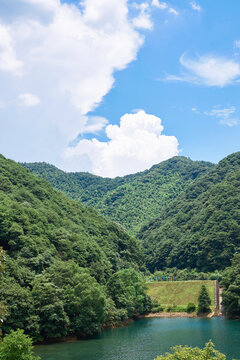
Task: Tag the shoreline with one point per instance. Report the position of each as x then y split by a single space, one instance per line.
165 314
170 315
73 338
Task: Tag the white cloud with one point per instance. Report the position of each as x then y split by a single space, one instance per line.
2 105
195 6
159 5
173 11
66 54
136 144
94 124
225 116
143 20
76 52
28 100
8 59
208 70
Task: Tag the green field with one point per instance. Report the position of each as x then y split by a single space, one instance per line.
180 292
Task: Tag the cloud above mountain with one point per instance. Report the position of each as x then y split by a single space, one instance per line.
135 145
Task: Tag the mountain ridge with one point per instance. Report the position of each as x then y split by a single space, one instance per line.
129 200
201 227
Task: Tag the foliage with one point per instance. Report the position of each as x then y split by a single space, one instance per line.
231 283
204 301
156 306
130 200
189 353
200 229
127 289
191 307
3 308
2 259
49 239
176 274
17 346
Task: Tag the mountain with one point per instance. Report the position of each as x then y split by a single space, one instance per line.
60 258
201 227
131 200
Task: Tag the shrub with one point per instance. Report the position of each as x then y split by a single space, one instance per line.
189 353
17 345
191 307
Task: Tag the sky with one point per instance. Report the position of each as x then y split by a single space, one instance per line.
113 87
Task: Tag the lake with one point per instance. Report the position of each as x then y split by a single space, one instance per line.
146 338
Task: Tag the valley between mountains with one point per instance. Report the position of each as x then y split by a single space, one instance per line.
77 249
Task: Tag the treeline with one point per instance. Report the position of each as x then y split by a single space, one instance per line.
200 229
131 200
65 264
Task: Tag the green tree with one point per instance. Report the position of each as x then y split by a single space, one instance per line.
83 298
204 301
128 290
231 283
3 308
17 346
189 353
48 301
20 309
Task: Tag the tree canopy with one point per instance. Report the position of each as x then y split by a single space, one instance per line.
200 228
131 200
189 353
59 258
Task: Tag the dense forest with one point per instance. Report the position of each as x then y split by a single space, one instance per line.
131 200
67 269
201 227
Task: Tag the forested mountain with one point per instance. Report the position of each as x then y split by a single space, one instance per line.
131 200
61 258
201 227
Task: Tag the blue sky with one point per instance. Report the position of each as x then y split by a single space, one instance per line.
69 72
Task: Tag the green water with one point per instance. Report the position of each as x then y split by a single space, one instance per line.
145 339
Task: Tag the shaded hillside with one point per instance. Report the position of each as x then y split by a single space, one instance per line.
49 239
201 227
130 200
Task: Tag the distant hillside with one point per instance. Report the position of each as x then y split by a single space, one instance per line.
60 258
201 227
49 225
130 200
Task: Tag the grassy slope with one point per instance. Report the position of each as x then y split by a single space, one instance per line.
180 292
131 200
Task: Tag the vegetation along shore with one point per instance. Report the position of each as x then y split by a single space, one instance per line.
68 269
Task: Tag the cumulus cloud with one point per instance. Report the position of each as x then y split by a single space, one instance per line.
195 6
74 51
67 54
28 100
226 116
135 145
208 71
8 58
